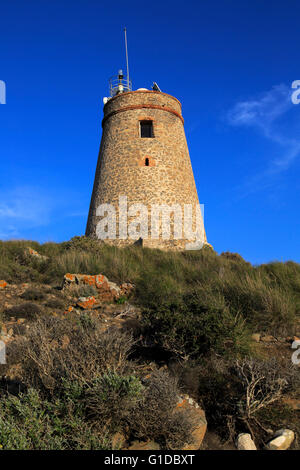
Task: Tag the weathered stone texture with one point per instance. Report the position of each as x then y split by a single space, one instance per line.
168 179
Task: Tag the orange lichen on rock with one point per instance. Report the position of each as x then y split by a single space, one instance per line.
3 284
35 254
182 404
107 291
70 277
86 302
187 403
100 280
89 280
69 310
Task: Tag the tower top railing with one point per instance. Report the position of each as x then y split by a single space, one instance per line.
119 84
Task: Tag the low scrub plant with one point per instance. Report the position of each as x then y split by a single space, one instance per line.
28 422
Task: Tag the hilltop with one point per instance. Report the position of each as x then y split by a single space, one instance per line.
121 348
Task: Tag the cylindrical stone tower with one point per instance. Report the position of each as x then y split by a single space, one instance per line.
144 157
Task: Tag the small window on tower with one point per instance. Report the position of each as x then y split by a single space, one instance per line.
146 129
146 161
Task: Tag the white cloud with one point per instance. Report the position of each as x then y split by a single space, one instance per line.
26 204
22 208
262 112
265 114
26 208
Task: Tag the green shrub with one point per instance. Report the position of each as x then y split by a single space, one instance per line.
85 291
86 322
55 304
26 310
237 394
29 423
199 324
33 294
112 383
267 297
112 397
56 349
156 416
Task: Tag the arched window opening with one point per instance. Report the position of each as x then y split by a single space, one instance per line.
146 161
146 129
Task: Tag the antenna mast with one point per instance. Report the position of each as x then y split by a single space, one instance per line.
128 83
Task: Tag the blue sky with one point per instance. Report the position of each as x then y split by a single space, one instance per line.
231 63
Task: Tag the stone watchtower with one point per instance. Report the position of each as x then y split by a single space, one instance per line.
144 156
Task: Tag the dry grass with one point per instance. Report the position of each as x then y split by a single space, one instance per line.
57 349
266 297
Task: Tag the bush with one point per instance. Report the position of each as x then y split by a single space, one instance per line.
196 306
112 397
83 291
56 349
263 383
26 310
266 298
55 304
155 417
33 294
200 324
86 321
236 394
234 257
29 423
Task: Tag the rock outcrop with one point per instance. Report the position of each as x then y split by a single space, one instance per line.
35 254
281 440
106 290
245 442
187 403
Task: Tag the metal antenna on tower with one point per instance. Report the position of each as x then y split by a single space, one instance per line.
128 81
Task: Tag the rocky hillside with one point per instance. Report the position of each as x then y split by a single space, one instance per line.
143 349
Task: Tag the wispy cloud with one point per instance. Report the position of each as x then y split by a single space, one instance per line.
263 111
266 114
23 208
25 203
26 208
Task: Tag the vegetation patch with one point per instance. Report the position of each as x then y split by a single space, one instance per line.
187 328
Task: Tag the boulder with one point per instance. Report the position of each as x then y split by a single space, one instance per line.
34 254
87 303
187 403
141 445
281 440
106 290
245 442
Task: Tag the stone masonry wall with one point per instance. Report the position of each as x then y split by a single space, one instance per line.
121 169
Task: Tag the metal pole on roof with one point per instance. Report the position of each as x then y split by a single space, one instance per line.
128 81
